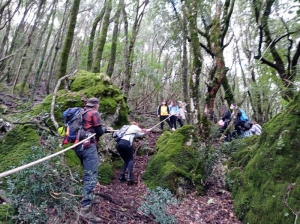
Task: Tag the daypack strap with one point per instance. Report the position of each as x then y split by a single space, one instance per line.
81 123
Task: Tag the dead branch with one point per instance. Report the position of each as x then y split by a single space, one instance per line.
54 98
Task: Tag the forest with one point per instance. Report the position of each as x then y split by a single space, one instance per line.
132 55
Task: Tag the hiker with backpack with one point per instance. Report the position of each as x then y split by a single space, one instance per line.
224 122
163 113
88 154
125 149
240 120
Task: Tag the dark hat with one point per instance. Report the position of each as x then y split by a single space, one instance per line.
92 102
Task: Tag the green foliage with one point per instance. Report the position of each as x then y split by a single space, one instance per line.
106 173
5 213
46 185
156 205
260 171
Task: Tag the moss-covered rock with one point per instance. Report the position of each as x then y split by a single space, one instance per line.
177 159
16 145
84 85
262 171
106 173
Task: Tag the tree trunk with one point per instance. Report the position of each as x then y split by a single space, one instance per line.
68 42
102 38
92 37
111 62
191 16
41 63
39 16
140 9
57 46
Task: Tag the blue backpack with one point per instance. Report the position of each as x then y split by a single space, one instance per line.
244 116
73 123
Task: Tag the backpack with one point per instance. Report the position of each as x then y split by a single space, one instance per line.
117 135
73 124
244 116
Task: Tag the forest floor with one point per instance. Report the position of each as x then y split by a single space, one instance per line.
119 202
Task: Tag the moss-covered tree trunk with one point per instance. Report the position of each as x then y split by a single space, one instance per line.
140 10
42 59
92 37
113 51
185 69
56 46
214 33
287 69
68 41
190 13
102 38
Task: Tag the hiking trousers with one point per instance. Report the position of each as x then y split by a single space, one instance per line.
126 152
90 161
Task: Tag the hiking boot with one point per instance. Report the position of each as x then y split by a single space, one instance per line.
129 179
122 178
86 212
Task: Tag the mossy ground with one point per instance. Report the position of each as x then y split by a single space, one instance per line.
177 158
262 170
16 145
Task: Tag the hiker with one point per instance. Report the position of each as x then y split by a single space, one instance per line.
256 128
125 149
181 114
174 111
238 122
226 118
163 114
88 156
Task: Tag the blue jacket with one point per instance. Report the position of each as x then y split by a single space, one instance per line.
174 110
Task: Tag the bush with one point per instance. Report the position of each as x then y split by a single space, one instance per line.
47 186
156 205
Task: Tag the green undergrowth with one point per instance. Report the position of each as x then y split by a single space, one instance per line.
261 171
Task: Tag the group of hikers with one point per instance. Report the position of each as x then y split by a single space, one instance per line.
172 113
88 154
242 126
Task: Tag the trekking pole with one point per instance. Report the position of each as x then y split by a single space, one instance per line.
160 122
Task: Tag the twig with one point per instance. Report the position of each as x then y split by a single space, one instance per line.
54 98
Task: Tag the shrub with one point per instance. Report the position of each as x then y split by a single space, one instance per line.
156 205
47 186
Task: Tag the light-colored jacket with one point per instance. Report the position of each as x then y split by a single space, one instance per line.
174 110
132 132
256 129
181 113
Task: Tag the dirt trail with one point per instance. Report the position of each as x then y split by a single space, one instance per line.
119 202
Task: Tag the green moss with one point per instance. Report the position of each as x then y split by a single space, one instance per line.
16 145
5 213
261 171
177 158
106 173
73 161
83 86
117 163
26 88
